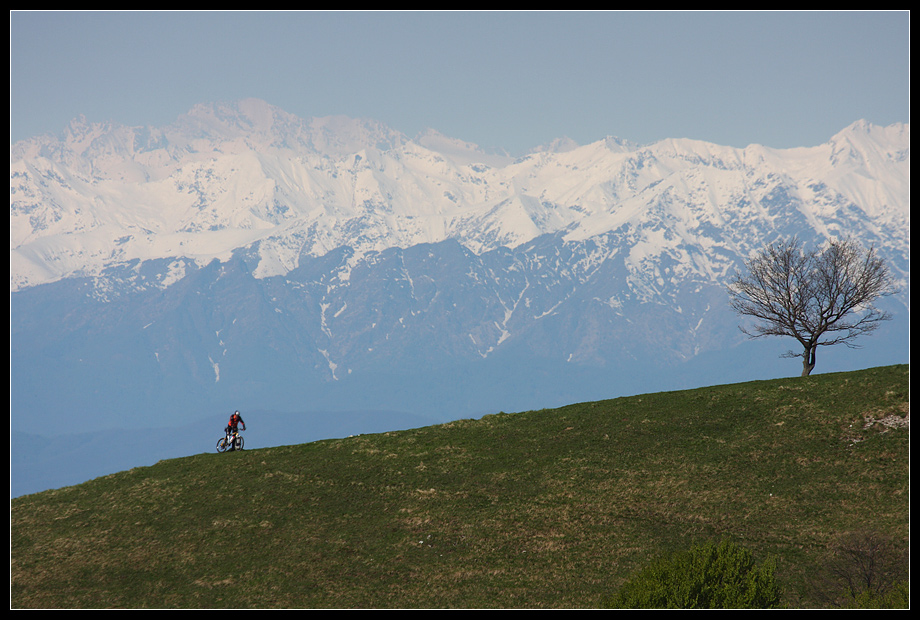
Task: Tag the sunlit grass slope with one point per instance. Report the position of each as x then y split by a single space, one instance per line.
540 509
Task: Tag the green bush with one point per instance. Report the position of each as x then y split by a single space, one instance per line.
897 597
708 576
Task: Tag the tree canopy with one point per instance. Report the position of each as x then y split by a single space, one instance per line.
819 297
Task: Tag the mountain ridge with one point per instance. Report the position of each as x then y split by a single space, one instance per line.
235 179
243 258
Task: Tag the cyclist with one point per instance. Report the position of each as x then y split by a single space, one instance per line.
235 420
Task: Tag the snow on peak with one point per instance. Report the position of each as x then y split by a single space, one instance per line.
226 176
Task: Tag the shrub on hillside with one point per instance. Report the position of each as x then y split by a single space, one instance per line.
895 597
864 570
708 576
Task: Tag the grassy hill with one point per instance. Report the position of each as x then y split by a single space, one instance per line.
540 509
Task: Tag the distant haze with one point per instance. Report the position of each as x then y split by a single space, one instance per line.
330 275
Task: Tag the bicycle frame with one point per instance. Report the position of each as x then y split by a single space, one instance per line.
232 441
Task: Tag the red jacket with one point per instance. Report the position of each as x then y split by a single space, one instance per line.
236 419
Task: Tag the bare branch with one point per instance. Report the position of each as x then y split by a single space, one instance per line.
819 298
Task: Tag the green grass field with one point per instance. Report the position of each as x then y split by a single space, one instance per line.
540 509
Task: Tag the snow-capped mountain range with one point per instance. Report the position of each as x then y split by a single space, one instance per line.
227 177
246 258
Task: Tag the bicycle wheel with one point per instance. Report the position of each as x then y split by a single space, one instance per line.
223 444
238 442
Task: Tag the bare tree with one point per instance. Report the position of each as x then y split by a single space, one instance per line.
865 564
820 298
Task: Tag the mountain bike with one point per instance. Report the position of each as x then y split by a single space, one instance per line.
233 441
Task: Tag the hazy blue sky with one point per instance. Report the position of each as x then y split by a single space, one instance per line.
511 80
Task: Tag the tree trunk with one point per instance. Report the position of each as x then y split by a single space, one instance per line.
808 360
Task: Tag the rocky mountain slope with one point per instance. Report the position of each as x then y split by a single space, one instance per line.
246 258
